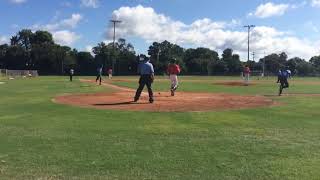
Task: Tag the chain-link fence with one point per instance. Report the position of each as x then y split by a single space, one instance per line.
18 73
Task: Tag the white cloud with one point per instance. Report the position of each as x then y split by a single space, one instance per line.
71 22
60 30
90 3
145 23
270 9
3 40
89 49
311 26
18 1
65 37
315 3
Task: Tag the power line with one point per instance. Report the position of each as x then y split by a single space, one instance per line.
249 27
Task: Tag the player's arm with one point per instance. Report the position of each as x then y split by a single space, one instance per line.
139 69
152 73
178 69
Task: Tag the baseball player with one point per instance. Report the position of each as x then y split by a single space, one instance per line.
146 71
173 70
289 73
99 74
110 73
246 74
279 75
283 76
71 73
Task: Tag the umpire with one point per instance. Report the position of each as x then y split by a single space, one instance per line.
146 71
283 76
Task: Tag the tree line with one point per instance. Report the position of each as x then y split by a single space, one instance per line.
37 51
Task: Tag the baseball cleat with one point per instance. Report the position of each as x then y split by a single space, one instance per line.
172 92
151 101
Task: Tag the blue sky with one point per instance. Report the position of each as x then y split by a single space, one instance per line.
288 25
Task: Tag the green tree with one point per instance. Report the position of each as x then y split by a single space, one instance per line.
200 60
315 61
218 67
305 68
15 58
40 37
232 61
3 52
274 62
103 54
85 63
162 53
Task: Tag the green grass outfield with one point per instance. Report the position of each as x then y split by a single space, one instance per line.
43 140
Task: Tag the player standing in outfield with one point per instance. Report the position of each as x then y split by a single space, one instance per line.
110 73
146 71
173 70
283 76
99 74
246 74
71 72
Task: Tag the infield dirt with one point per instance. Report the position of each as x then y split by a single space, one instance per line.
122 99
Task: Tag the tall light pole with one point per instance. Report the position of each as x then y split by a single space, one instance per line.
264 64
158 56
253 55
249 27
114 22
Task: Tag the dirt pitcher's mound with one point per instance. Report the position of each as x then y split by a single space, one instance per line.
182 102
234 83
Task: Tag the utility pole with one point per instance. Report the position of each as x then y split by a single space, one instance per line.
158 57
114 22
264 64
249 27
253 56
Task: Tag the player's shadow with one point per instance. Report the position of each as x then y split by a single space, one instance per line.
120 103
271 95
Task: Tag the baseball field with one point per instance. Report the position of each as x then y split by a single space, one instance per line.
214 128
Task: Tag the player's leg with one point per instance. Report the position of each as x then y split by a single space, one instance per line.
140 88
172 79
286 84
282 85
176 83
97 78
280 89
246 79
171 82
149 86
100 79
